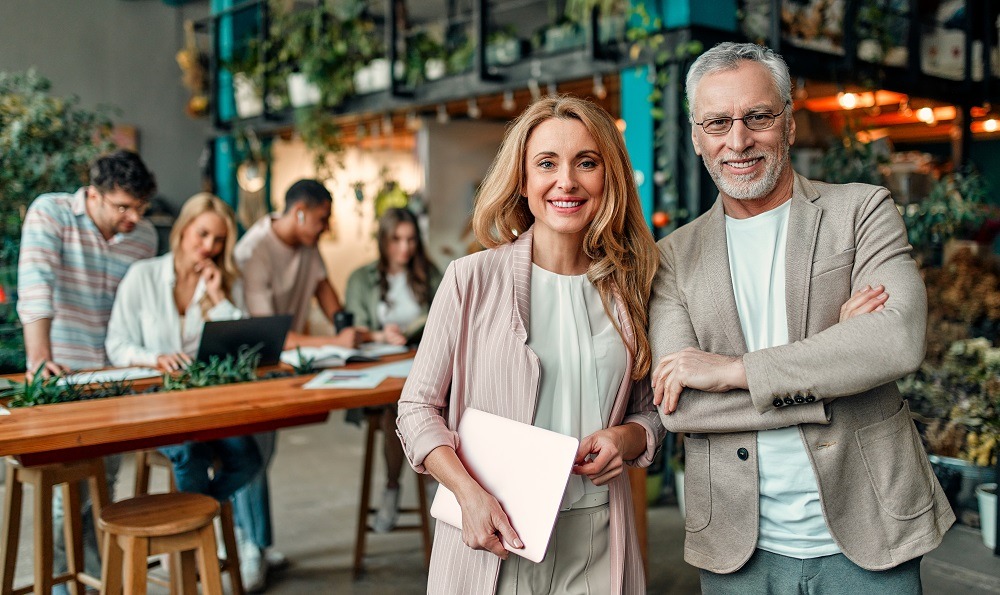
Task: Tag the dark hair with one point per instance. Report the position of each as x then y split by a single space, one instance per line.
310 192
124 170
418 270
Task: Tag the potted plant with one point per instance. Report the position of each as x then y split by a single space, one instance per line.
954 209
425 58
957 402
46 144
986 494
503 47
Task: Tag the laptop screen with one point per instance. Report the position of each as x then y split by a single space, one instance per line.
223 337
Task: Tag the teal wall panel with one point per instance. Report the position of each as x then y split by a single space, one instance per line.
639 126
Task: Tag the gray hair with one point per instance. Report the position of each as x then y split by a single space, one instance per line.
727 56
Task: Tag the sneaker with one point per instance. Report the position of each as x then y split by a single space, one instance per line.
253 570
275 560
388 513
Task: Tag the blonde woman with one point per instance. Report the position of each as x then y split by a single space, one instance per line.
546 327
157 319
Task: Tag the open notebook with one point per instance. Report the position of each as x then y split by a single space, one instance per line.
524 467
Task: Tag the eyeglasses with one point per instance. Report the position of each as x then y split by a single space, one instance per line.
755 121
139 209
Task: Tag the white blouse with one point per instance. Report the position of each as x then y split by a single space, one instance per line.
582 360
400 306
145 323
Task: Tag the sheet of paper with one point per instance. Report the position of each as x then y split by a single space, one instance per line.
400 369
346 379
4 410
323 357
380 349
110 375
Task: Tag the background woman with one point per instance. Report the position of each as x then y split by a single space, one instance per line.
157 319
547 327
391 297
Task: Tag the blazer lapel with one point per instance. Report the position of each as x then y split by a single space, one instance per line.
522 285
716 264
803 229
622 396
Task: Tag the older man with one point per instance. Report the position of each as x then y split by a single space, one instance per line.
805 473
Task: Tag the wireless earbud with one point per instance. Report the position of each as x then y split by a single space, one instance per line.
301 217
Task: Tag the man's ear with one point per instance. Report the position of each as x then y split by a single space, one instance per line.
694 140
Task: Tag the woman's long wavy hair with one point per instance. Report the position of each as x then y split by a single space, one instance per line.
618 242
200 203
418 270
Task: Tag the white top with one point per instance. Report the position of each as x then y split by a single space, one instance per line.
400 306
582 363
144 321
791 519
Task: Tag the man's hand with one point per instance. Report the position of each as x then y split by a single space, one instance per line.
869 299
45 367
392 335
350 337
171 362
693 368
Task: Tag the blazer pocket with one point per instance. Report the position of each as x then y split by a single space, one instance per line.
832 263
697 484
897 466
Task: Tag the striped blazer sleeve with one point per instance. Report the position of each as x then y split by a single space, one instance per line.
642 411
421 423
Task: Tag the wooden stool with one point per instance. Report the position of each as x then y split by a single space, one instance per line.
44 478
176 523
145 461
365 509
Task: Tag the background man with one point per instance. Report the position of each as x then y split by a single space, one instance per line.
75 249
282 271
805 473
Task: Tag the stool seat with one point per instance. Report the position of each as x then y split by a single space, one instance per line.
155 515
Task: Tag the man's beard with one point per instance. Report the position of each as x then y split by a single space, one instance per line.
754 186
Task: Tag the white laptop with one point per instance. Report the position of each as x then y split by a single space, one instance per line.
525 468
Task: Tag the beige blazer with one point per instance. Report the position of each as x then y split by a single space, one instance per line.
474 354
881 501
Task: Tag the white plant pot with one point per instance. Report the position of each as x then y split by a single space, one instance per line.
249 103
988 513
301 92
679 489
434 69
373 77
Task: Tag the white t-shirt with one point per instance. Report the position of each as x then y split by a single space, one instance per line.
582 363
791 519
400 306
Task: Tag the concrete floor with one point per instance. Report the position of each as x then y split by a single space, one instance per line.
315 482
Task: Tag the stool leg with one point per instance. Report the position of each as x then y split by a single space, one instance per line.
141 473
136 554
11 528
43 536
73 532
99 497
425 521
232 551
185 572
364 505
208 562
111 567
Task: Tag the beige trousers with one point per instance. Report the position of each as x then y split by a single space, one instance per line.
577 561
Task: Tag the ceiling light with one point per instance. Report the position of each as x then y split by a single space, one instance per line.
508 101
600 91
442 114
250 175
990 125
847 100
552 90
925 114
387 127
473 107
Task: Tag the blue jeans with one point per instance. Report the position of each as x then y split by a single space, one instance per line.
238 460
252 503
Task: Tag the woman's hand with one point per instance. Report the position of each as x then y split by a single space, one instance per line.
212 277
484 523
869 299
601 455
171 362
392 335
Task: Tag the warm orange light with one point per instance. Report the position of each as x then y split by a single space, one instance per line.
847 100
925 114
990 125
620 124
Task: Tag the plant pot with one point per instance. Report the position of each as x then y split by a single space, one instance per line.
434 69
563 37
970 476
503 52
373 77
249 103
679 489
611 28
301 92
987 495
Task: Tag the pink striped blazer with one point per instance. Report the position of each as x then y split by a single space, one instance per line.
474 354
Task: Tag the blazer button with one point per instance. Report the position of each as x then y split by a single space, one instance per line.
777 402
810 399
743 454
800 399
789 401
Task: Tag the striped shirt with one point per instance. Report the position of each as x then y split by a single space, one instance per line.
69 273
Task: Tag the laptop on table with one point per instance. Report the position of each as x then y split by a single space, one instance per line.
224 337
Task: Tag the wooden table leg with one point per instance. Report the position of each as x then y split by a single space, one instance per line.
11 529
